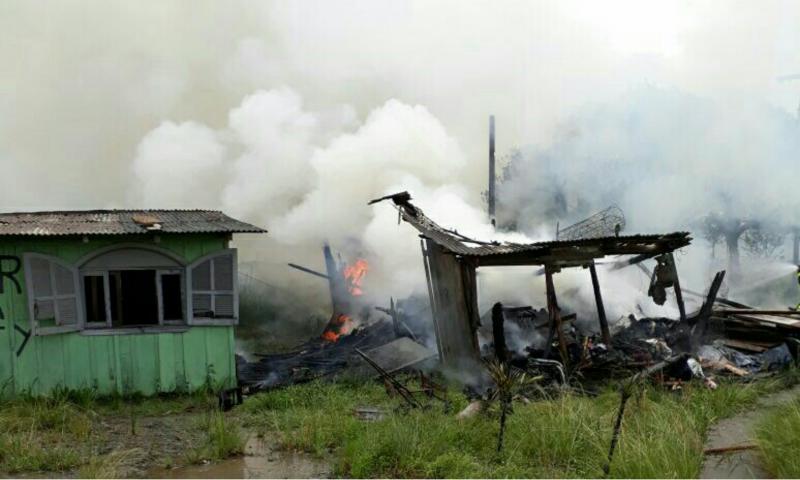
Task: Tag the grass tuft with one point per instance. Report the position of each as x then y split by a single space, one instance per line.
223 439
778 439
113 465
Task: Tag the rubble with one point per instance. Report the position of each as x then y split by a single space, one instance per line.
721 338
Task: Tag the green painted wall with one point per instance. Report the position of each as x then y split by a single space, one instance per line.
144 363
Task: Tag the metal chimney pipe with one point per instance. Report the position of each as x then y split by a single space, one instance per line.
491 170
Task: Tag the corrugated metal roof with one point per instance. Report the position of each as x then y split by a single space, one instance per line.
121 222
623 244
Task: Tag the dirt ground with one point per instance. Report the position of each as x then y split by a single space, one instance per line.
149 442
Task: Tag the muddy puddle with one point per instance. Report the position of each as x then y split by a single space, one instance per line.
260 460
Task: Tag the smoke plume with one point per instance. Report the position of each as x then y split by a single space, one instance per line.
292 115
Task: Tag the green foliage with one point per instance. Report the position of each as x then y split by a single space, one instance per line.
33 434
57 433
662 433
223 439
23 452
778 439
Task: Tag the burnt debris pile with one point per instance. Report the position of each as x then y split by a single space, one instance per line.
721 337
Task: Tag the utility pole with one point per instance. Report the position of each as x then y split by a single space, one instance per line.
491 198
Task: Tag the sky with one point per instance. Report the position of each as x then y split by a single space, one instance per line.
292 115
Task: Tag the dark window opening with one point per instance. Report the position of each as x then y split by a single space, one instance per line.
133 297
95 294
171 296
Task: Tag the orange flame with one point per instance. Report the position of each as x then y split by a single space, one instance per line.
354 274
341 325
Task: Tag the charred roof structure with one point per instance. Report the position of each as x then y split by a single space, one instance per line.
451 260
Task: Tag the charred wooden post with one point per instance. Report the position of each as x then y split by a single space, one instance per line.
499 334
432 297
453 291
555 317
601 311
677 287
340 298
701 325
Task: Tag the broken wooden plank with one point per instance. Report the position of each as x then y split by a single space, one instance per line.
399 354
768 320
752 311
732 448
749 346
387 377
308 270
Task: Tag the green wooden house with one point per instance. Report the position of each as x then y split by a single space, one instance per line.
119 301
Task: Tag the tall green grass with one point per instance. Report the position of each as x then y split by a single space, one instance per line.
662 433
41 434
223 439
778 439
62 432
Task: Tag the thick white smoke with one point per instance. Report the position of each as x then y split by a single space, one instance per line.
307 176
293 114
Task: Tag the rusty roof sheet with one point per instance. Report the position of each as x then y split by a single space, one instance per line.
498 253
121 222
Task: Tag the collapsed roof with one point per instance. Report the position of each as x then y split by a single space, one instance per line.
451 260
572 252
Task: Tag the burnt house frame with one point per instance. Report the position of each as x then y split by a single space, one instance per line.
451 260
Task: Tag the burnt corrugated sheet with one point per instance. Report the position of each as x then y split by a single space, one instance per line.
457 244
121 222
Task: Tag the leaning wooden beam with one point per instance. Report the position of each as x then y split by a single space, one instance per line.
308 270
705 311
601 311
386 376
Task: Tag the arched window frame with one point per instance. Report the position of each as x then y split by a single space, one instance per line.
214 291
163 324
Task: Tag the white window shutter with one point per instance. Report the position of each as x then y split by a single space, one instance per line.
52 288
212 284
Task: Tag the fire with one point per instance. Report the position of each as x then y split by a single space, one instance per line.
338 326
354 274
341 323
